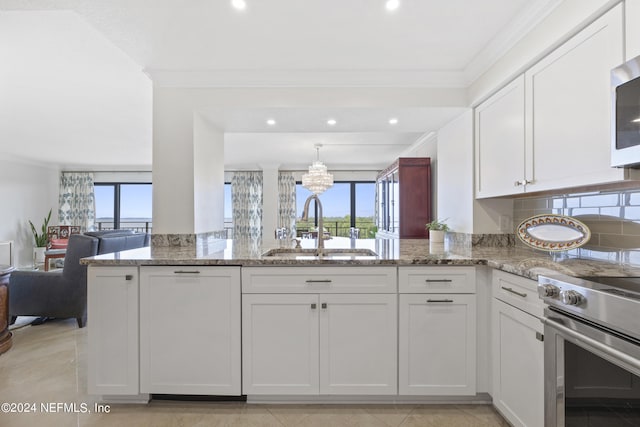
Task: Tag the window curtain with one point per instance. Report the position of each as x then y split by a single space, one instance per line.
246 203
287 202
76 203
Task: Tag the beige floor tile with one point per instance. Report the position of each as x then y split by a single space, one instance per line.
48 363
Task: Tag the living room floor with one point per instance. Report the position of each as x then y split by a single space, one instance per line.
47 366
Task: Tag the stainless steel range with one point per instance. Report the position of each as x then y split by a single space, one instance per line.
592 350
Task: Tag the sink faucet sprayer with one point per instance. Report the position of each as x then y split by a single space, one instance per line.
305 217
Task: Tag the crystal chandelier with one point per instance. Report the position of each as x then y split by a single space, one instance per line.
318 179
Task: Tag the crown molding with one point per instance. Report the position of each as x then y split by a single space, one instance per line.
528 19
307 78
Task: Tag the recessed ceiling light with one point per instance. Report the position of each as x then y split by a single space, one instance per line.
239 4
392 5
331 122
393 121
636 120
271 122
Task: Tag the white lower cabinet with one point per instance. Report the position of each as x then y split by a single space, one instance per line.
437 344
112 309
190 330
518 354
319 344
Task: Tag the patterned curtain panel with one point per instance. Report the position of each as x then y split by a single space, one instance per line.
246 203
287 202
77 204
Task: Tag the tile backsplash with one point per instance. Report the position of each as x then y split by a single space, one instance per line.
612 216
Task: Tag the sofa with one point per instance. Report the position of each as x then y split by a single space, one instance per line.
119 240
63 294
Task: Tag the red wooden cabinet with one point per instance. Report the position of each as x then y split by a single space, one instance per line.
404 198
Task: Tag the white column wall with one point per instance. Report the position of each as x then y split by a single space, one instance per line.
173 190
28 191
455 173
208 176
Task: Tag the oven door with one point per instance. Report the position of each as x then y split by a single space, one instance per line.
592 375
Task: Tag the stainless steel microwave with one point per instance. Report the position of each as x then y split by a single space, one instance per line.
625 114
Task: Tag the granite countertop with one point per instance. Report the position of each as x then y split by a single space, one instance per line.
517 260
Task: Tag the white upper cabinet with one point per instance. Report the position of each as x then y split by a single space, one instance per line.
551 128
499 138
632 28
568 109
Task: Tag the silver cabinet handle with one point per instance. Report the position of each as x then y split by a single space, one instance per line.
128 277
323 305
520 294
439 300
539 336
186 272
313 306
518 183
438 280
318 280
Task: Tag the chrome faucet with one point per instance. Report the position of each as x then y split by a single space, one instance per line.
305 217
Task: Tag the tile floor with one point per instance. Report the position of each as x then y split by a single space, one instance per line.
47 365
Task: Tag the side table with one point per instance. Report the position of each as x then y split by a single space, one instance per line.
5 335
53 254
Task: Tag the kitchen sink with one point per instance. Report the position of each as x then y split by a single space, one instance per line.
326 253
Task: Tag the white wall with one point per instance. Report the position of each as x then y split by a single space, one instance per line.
27 192
173 192
208 176
455 173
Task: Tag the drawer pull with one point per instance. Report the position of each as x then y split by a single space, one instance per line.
313 306
539 336
438 280
318 280
439 300
186 272
324 305
520 294
128 277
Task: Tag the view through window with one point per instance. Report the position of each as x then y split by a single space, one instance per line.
125 206
345 205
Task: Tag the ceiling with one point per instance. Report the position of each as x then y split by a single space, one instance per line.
76 74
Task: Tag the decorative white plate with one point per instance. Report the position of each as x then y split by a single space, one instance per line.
551 232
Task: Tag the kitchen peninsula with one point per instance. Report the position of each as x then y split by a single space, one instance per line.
229 320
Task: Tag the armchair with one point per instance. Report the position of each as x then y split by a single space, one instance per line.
55 294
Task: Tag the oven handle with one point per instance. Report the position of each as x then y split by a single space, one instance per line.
612 352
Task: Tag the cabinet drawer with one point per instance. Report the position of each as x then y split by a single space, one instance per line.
517 291
319 280
414 280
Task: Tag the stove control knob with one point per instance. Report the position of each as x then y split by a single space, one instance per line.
548 291
571 298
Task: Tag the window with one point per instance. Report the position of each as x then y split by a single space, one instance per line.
345 205
123 206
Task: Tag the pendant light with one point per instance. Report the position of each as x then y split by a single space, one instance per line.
317 180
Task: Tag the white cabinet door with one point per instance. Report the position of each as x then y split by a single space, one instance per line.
112 310
499 139
437 345
280 344
632 28
358 341
568 111
190 330
518 358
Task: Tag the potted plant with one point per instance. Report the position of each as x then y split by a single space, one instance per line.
437 229
40 240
